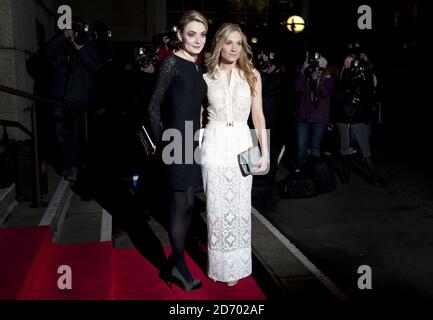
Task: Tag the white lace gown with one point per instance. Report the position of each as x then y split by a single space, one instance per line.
228 192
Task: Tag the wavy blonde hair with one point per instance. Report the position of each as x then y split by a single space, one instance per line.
346 65
244 62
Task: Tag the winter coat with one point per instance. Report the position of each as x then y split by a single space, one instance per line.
308 110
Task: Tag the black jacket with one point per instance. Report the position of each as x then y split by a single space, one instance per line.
355 98
72 70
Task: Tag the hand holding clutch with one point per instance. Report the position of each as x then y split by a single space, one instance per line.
249 161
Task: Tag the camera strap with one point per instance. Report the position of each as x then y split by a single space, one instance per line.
314 93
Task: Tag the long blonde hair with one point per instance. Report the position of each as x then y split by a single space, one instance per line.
346 64
244 62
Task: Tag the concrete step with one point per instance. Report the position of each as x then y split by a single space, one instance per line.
15 214
7 201
81 222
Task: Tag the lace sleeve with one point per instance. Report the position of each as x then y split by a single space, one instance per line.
165 76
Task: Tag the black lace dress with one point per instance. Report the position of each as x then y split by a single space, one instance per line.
176 102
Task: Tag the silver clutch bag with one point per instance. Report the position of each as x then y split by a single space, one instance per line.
248 160
145 140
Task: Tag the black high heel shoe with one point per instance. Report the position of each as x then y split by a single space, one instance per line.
180 280
167 278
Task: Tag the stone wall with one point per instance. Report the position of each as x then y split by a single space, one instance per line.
132 20
18 42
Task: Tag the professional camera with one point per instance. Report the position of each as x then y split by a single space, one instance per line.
173 40
357 69
100 32
146 57
313 64
265 60
81 32
356 78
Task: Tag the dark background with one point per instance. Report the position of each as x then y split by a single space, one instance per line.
395 44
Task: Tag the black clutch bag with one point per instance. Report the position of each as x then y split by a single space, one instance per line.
145 140
248 160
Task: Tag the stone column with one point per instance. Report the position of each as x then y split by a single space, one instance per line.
8 103
17 44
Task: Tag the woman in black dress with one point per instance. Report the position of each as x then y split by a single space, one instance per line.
180 88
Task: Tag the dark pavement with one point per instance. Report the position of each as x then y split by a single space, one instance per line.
386 228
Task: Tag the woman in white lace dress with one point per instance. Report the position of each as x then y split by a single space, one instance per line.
234 90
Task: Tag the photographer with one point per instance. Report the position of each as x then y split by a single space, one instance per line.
315 85
166 45
374 111
138 84
103 119
355 99
268 65
74 61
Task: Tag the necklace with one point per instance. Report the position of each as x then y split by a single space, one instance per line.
189 59
186 57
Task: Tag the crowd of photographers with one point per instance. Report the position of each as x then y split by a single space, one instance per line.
348 100
80 67
92 142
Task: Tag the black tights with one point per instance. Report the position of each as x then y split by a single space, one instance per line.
181 208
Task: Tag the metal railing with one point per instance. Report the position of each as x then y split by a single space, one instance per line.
32 133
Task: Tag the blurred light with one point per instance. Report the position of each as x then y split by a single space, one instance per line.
396 20
350 46
413 12
295 24
357 45
210 21
254 40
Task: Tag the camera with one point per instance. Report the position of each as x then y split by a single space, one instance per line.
81 32
100 32
313 64
173 41
357 69
146 57
356 78
265 60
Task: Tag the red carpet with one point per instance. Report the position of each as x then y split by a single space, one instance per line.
91 273
29 270
18 249
135 278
